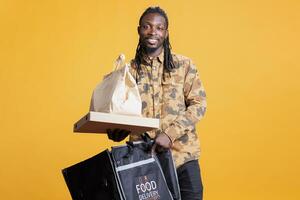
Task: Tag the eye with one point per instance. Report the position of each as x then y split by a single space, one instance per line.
160 28
145 26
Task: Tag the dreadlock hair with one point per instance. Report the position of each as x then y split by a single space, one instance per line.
140 50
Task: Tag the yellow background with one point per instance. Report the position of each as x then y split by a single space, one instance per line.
53 53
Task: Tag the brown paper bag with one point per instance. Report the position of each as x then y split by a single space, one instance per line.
118 92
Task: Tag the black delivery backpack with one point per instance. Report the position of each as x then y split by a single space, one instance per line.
127 172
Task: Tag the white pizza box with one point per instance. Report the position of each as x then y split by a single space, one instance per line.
98 122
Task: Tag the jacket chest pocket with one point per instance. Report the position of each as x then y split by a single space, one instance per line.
172 96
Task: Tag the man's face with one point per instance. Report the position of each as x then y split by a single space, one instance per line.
153 31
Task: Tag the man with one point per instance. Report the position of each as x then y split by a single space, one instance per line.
170 90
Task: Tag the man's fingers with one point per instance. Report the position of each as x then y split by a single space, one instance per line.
109 134
117 134
123 134
163 141
126 133
116 131
108 131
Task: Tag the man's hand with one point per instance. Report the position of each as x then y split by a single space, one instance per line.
163 141
117 135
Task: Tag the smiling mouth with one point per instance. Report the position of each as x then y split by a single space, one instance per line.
152 40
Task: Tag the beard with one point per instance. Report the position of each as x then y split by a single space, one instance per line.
149 50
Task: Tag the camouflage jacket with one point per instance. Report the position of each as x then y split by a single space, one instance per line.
177 98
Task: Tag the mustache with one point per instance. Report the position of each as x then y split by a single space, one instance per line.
151 37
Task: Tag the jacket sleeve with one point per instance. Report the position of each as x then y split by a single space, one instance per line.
195 101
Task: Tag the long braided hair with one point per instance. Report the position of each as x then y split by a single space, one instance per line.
140 50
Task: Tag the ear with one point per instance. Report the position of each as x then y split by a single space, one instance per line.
138 29
167 33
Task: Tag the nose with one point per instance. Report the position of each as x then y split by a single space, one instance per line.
153 31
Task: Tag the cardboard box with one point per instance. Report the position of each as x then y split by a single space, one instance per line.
97 122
